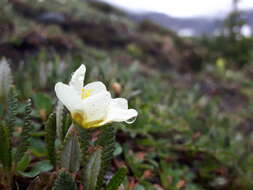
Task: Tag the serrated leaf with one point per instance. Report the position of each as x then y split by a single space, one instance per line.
12 110
5 150
39 167
25 135
64 182
70 155
24 163
117 179
93 169
84 139
107 141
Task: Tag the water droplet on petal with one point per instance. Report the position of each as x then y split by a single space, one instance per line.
131 120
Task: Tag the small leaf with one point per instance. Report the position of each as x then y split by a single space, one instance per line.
66 124
107 141
64 182
24 163
38 147
118 150
59 119
117 179
12 110
63 120
39 167
42 102
139 187
25 135
70 155
93 169
5 150
84 138
50 138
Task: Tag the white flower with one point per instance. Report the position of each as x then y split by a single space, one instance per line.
91 105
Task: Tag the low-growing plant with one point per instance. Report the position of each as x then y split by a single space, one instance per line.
13 156
80 138
90 107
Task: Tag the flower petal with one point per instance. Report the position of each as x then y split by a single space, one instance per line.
118 112
68 96
120 115
78 78
96 107
119 103
95 87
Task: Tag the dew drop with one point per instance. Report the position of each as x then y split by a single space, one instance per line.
131 120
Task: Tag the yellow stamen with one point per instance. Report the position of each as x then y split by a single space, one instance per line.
81 119
85 93
78 117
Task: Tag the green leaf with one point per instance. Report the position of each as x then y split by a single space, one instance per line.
25 135
59 110
10 124
107 141
39 167
139 187
118 150
84 139
1 109
24 163
64 182
50 138
63 120
38 147
42 102
117 179
93 169
66 124
12 110
5 150
70 155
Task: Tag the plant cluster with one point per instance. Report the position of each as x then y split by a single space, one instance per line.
76 159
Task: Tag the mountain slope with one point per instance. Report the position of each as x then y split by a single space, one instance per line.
198 25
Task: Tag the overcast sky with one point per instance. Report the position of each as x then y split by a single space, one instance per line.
182 8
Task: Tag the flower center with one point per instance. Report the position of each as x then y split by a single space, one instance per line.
81 119
78 117
85 93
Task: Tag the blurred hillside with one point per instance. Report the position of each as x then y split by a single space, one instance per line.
94 24
195 26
